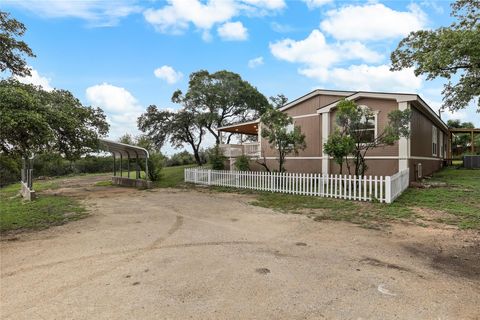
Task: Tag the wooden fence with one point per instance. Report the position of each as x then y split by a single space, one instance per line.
367 188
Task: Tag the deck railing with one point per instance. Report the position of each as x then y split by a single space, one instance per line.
366 188
235 150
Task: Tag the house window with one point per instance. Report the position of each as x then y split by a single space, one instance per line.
442 150
367 131
434 141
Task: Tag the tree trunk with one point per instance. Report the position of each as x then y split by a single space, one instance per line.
197 157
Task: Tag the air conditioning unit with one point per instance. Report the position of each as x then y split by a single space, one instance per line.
419 170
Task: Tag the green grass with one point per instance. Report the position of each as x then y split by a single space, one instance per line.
45 211
105 183
456 203
172 177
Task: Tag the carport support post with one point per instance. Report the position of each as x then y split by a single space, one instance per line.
137 168
121 171
146 168
114 165
128 164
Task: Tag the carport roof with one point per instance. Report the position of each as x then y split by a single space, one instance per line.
126 150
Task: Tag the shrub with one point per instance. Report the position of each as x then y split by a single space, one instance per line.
155 165
242 163
180 159
216 158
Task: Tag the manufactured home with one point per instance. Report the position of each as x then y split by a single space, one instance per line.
424 151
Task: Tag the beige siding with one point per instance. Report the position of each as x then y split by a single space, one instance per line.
292 165
421 136
312 129
375 167
428 167
311 105
384 107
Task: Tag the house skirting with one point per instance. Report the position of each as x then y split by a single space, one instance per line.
377 165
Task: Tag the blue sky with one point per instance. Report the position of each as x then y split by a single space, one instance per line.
125 55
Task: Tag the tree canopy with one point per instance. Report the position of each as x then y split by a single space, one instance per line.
34 121
450 52
179 128
280 132
220 99
12 50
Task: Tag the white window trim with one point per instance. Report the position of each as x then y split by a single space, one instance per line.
434 141
442 147
375 120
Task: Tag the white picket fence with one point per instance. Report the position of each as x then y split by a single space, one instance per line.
367 188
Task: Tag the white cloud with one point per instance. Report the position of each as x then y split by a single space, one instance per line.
325 62
36 79
317 55
168 74
312 4
373 21
233 31
96 12
374 78
256 62
266 4
120 106
112 98
177 16
431 4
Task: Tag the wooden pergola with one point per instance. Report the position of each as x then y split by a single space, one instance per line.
471 131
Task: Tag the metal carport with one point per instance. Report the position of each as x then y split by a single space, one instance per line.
121 151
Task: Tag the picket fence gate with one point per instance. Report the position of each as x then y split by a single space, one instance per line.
366 188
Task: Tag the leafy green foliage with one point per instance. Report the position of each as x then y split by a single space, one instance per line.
9 169
182 158
461 141
447 52
221 98
352 122
155 165
181 127
339 147
127 139
12 50
35 121
216 158
281 134
242 163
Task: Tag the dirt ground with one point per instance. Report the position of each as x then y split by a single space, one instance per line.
180 254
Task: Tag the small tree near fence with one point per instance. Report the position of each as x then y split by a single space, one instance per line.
281 134
356 134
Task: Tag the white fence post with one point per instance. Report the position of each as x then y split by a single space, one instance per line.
388 189
209 182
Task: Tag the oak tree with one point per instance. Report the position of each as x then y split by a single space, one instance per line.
452 53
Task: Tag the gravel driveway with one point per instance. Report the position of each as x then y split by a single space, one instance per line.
180 254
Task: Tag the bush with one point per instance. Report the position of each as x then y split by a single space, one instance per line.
155 165
9 170
216 158
180 159
242 163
